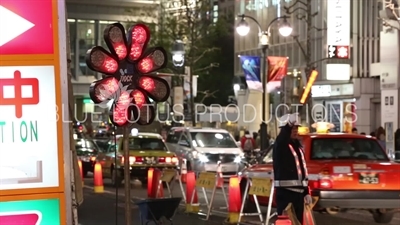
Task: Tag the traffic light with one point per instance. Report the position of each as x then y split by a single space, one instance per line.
128 68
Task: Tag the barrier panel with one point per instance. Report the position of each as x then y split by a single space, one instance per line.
208 181
156 191
258 184
168 177
261 184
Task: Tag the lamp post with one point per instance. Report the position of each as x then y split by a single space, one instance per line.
285 30
178 60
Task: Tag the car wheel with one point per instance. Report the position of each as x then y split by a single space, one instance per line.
84 173
380 217
116 180
333 210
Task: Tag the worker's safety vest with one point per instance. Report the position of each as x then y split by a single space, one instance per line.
299 181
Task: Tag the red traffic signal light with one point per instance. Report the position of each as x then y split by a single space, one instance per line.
127 83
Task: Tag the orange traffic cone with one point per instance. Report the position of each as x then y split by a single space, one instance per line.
220 179
80 169
98 178
283 220
183 171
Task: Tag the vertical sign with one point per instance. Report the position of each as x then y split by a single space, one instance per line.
31 127
338 37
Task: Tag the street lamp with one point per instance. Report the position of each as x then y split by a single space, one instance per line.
178 53
285 30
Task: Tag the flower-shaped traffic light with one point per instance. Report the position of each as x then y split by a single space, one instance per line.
127 68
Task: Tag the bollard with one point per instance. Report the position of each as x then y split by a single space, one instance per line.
81 170
183 171
150 175
192 204
156 185
98 178
283 220
235 200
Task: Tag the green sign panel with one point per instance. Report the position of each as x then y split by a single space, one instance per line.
31 212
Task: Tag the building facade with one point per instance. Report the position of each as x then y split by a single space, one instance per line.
346 84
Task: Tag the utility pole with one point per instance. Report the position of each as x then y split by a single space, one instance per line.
306 15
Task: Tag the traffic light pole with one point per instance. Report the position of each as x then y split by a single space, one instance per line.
127 178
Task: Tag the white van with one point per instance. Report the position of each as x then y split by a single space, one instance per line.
204 148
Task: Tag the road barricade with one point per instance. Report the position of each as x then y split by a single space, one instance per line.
168 178
206 181
258 184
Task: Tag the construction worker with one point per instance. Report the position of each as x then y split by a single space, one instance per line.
290 171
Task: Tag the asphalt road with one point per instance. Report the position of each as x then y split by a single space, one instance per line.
353 217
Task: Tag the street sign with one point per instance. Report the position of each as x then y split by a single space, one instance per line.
28 128
26 27
30 212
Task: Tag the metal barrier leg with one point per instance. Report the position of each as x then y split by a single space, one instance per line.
211 201
271 198
205 196
246 191
224 193
258 208
182 189
169 189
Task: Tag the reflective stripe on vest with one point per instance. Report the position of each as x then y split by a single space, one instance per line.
299 181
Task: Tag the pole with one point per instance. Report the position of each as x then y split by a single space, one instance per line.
263 126
127 178
192 111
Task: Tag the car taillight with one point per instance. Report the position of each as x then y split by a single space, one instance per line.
324 180
132 159
93 158
173 160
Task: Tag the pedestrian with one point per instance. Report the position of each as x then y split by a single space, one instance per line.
381 135
354 130
247 143
290 170
363 133
372 134
255 137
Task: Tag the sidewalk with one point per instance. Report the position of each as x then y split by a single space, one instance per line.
101 209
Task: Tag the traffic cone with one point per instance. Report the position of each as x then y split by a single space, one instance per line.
183 171
80 170
283 220
220 179
150 175
156 184
235 200
98 178
191 206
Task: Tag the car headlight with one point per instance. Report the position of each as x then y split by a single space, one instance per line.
238 159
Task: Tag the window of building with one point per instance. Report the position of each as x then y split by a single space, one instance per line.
72 40
86 40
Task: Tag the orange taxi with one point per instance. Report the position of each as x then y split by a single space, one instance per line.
347 171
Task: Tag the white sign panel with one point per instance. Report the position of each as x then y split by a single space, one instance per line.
28 128
338 22
321 91
337 71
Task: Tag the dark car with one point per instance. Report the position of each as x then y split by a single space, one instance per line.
102 143
87 151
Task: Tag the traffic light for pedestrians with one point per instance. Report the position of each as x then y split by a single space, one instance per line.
128 68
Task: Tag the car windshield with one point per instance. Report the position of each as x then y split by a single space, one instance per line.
148 144
213 140
85 146
347 148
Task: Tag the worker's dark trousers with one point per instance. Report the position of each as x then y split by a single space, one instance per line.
284 197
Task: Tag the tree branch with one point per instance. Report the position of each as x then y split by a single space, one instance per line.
287 10
207 94
204 53
387 24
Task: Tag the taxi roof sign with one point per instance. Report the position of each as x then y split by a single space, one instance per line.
322 127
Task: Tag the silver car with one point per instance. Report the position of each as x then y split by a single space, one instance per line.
205 148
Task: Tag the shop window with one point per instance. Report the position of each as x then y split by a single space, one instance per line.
86 39
72 40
